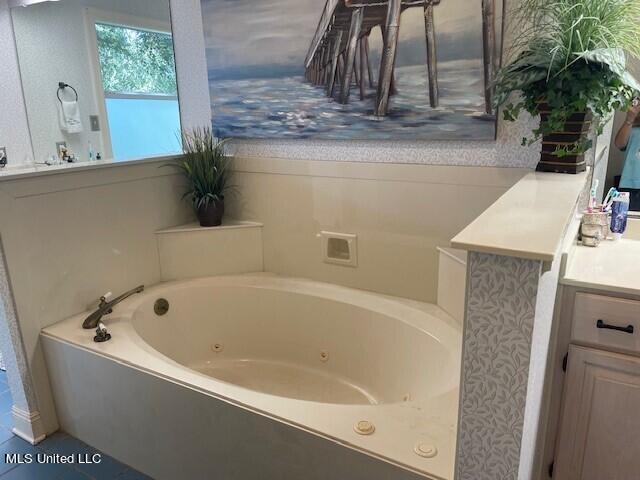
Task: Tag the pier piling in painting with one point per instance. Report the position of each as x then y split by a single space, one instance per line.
339 51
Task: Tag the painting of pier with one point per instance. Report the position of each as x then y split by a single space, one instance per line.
353 69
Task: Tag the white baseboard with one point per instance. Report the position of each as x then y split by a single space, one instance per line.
28 425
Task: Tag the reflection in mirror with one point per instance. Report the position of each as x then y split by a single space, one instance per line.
623 170
99 79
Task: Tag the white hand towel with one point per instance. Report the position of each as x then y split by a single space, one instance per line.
70 120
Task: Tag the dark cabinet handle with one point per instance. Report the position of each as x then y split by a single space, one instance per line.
627 329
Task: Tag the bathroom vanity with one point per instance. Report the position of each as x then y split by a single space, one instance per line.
597 366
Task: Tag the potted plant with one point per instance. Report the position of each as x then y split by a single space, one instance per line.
570 69
207 171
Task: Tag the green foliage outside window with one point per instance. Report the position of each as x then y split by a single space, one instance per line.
136 61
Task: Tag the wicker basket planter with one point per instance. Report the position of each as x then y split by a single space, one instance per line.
576 129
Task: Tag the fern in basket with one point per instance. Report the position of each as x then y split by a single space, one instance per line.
570 57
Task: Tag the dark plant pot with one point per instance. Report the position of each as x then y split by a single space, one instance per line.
575 129
211 215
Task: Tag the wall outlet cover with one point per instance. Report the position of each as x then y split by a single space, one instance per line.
94 120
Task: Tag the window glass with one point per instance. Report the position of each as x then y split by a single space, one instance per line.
139 82
136 61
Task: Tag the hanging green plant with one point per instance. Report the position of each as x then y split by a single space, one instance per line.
570 69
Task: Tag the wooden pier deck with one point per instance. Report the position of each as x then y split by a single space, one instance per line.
339 51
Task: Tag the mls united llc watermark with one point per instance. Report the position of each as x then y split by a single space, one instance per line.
28 458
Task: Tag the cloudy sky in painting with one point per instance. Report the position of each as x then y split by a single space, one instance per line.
248 38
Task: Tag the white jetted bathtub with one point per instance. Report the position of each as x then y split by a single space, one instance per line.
258 376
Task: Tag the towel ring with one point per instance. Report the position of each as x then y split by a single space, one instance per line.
62 86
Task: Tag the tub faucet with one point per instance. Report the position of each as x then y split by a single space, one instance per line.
106 308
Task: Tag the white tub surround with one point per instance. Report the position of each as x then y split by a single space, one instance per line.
69 238
513 268
286 364
398 213
190 251
452 281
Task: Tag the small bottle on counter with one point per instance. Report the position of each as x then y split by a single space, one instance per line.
619 213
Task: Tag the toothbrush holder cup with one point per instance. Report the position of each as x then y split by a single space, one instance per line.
594 229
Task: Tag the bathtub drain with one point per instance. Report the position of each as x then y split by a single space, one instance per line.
161 307
217 347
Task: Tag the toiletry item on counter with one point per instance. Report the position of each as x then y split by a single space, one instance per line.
594 228
619 213
90 151
67 156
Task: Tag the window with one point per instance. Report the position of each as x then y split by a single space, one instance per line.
139 82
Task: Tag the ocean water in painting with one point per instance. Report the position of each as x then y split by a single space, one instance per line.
291 107
257 52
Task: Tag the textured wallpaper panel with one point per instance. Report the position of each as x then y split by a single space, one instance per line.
506 151
14 129
14 355
497 343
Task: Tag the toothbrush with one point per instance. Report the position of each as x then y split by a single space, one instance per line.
592 195
606 207
610 194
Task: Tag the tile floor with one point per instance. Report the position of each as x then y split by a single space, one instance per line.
60 443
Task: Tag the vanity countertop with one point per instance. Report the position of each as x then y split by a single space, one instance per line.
613 266
529 220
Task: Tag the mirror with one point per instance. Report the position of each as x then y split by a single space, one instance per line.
99 79
623 168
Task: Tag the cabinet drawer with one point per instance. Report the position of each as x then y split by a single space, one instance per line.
607 322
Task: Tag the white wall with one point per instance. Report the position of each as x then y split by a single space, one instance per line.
191 67
59 26
14 129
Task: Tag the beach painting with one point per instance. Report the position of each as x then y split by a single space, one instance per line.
352 69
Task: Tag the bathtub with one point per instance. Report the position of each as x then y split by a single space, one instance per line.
260 376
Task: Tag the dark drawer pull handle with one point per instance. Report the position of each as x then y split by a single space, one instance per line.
627 329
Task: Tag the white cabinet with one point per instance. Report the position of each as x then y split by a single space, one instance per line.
600 424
